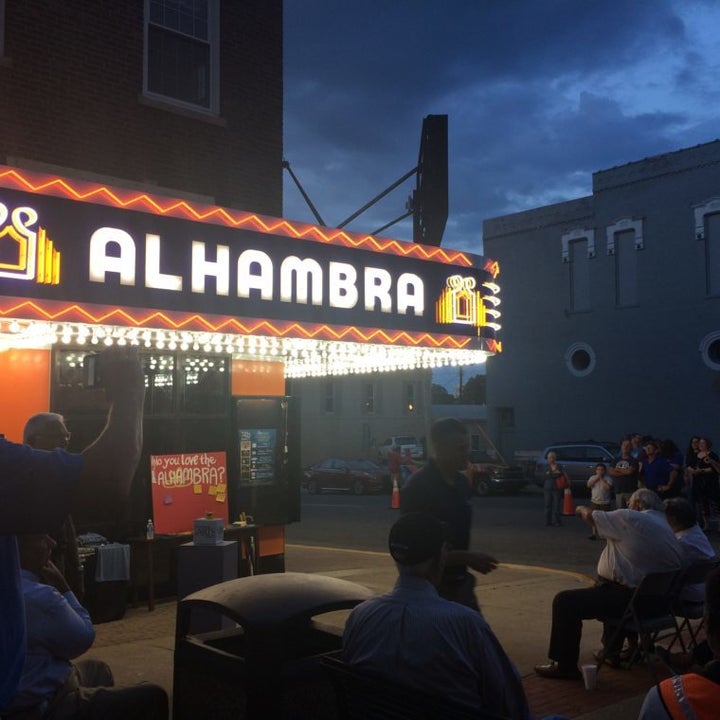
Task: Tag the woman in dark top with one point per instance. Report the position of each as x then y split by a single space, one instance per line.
670 451
553 496
705 487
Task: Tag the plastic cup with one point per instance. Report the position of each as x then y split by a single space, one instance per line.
589 673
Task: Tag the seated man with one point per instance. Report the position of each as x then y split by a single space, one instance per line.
696 547
697 694
413 636
639 541
59 629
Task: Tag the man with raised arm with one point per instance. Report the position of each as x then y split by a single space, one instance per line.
38 488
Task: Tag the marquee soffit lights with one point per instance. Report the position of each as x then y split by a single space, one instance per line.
303 357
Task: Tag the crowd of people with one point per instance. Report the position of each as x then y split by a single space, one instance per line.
648 462
428 632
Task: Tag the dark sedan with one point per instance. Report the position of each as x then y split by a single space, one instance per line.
355 476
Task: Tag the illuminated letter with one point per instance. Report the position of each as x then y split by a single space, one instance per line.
377 287
410 294
201 268
247 280
341 284
302 269
153 277
101 263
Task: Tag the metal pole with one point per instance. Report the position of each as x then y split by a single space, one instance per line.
407 175
392 222
286 166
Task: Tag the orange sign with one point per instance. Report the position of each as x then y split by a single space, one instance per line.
188 486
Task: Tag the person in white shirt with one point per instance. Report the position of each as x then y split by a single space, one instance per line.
601 487
639 541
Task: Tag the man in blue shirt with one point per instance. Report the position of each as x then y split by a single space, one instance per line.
59 629
654 469
413 636
37 489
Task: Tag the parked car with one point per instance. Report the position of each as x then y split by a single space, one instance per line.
402 443
488 475
578 460
349 475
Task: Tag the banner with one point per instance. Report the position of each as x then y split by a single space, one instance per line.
188 486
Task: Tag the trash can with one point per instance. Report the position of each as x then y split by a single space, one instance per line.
267 666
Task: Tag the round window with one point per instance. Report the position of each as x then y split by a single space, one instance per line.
710 350
580 359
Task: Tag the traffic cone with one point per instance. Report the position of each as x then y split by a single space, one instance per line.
568 504
395 502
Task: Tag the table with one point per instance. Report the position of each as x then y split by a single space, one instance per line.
246 536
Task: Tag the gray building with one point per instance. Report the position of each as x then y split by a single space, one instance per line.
348 416
611 308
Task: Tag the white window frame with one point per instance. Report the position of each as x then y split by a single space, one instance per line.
214 56
703 213
580 290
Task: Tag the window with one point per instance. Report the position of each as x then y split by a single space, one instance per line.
580 359
159 383
72 394
182 53
712 254
203 384
625 269
368 398
624 239
579 275
710 350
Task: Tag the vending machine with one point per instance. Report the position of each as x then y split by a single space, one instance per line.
266 456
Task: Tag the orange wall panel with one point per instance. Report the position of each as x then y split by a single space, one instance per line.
257 377
24 388
271 539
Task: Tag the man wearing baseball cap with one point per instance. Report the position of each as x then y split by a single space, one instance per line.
414 637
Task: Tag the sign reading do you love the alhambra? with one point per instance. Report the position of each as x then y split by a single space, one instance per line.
133 259
187 486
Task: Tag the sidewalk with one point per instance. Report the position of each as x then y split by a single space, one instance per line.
516 601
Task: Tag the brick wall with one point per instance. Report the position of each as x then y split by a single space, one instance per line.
71 89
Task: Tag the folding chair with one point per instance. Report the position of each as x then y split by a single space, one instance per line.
648 612
361 696
691 610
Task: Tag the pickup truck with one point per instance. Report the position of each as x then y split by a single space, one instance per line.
402 443
488 475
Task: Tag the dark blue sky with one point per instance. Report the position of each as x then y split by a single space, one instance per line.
539 94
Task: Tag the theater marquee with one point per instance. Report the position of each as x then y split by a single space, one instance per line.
87 263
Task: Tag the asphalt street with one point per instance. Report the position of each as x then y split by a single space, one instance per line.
509 527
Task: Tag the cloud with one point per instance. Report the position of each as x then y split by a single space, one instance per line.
539 96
